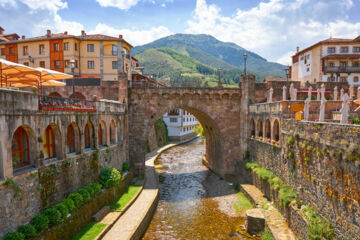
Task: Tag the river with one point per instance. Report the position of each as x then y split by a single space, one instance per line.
194 203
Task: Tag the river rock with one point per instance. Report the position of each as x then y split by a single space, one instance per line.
255 221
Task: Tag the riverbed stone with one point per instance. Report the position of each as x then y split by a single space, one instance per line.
255 221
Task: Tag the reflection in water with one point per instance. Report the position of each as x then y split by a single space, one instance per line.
193 203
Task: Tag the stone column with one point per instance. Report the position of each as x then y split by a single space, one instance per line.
351 92
322 110
342 94
335 93
318 94
344 109
271 91
284 91
294 94
322 90
306 109
309 93
291 90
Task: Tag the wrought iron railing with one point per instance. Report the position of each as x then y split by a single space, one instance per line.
50 103
342 69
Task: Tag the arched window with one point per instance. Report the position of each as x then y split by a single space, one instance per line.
276 130
49 143
252 123
268 129
20 149
87 136
102 134
112 132
119 131
70 139
260 128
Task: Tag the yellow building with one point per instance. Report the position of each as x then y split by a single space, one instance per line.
330 60
97 57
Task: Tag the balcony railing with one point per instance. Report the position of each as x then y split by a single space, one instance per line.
341 69
50 103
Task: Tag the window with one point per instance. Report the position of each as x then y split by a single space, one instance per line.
57 64
343 79
331 50
331 79
56 47
356 49
90 47
11 51
3 51
41 49
114 65
70 139
20 149
331 64
112 133
75 46
87 136
114 50
344 49
42 64
343 64
66 46
49 143
67 63
356 79
76 63
25 50
355 64
26 63
91 65
173 119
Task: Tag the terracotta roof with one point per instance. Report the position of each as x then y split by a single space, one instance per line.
342 56
3 39
331 40
95 37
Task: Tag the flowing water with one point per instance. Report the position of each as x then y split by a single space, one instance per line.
194 203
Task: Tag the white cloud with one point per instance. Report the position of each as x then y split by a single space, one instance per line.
121 4
274 28
163 5
135 37
52 5
6 3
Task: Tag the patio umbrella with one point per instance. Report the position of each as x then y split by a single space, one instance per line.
52 83
357 101
9 71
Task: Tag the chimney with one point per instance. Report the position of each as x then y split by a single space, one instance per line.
83 34
23 37
48 33
2 31
120 36
65 33
297 49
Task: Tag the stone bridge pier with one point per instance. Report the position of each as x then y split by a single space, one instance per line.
217 109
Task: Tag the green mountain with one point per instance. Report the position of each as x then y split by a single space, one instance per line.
212 52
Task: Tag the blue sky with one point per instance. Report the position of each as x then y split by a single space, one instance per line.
271 28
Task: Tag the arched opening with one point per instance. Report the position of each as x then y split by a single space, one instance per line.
55 94
276 130
252 131
78 95
268 129
89 136
20 149
112 132
119 130
52 142
260 128
72 139
102 134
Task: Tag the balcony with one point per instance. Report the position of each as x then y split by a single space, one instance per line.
341 69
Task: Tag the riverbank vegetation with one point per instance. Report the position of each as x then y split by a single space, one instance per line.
242 204
199 130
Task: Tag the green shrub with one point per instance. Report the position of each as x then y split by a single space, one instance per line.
90 190
263 173
291 155
318 227
53 215
77 198
85 194
40 222
14 236
276 182
110 177
29 231
251 165
126 166
69 203
96 187
286 195
356 120
63 209
290 140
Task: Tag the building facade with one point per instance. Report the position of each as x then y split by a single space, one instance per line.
180 124
330 60
97 57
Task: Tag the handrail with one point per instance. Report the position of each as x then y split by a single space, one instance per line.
65 104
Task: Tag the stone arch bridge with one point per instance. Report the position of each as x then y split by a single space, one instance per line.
219 110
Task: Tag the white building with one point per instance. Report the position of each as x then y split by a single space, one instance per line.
180 124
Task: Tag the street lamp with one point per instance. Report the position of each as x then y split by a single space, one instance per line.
245 57
72 66
287 69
